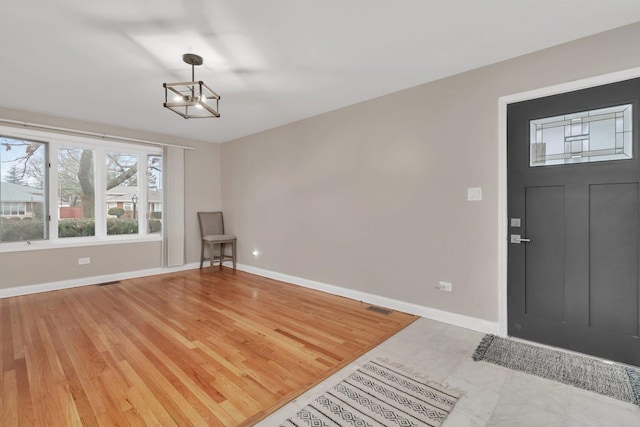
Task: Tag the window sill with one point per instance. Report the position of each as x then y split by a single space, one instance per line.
74 242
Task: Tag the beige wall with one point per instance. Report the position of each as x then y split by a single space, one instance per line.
202 192
372 197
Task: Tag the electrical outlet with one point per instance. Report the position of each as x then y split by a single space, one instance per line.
474 193
84 261
445 286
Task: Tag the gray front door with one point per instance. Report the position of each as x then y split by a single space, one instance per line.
574 221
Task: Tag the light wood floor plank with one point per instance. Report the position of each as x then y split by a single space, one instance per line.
204 347
9 407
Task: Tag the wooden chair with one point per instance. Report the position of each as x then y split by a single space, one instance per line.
212 234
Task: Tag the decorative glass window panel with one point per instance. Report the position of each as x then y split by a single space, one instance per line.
589 136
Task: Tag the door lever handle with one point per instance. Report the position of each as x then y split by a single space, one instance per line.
516 238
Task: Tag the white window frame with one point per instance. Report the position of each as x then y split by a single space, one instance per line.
100 147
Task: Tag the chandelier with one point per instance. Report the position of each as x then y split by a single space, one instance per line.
194 99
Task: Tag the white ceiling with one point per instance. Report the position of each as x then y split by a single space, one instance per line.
272 61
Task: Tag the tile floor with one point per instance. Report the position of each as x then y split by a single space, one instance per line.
491 395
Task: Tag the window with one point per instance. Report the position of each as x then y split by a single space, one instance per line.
14 209
122 188
587 136
22 189
65 188
154 194
76 192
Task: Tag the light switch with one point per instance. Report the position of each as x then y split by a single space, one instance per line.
474 193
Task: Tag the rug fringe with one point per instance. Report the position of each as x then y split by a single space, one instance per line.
634 379
483 347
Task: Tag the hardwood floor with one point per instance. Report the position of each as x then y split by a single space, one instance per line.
197 347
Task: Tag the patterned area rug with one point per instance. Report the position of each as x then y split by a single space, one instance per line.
375 395
608 379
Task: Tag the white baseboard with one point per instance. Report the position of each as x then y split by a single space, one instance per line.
475 324
86 281
455 319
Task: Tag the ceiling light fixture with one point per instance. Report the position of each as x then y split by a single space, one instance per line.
194 99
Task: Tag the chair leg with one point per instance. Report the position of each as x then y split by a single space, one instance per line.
201 253
211 246
221 254
233 253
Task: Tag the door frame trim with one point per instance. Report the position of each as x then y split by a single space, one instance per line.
503 102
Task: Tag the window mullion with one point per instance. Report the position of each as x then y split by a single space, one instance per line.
143 161
100 180
53 190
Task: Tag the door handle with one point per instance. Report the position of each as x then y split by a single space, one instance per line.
516 238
